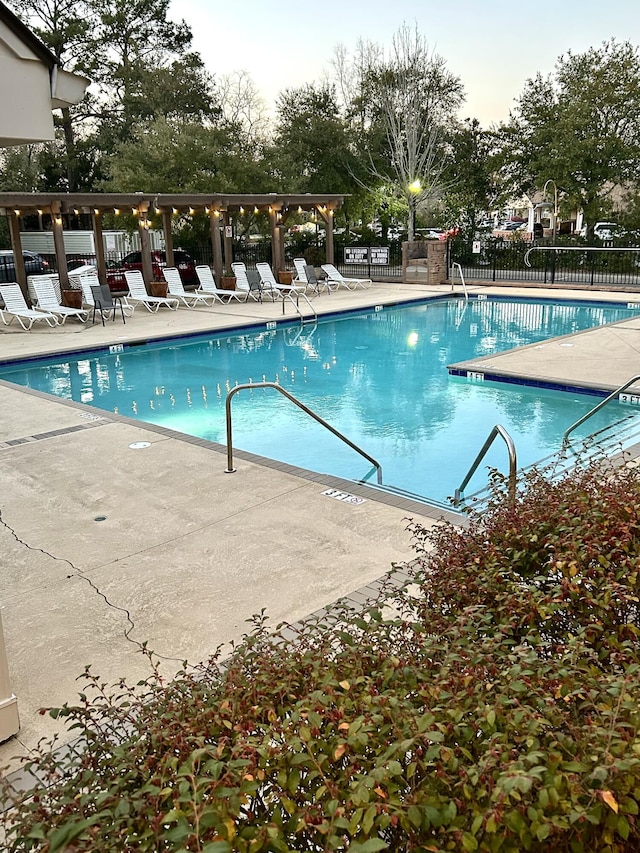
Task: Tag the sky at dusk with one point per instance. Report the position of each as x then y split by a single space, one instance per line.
494 46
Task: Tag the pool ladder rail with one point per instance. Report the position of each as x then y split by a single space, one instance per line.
559 456
253 385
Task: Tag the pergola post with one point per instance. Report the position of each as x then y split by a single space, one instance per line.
214 229
145 248
98 243
277 255
167 218
16 245
58 245
227 242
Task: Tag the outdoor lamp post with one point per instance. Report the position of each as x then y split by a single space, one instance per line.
555 206
414 188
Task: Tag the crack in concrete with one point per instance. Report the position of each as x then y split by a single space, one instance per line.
80 574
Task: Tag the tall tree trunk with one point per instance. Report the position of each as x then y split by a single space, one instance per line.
70 149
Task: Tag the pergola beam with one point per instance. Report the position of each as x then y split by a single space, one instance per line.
218 206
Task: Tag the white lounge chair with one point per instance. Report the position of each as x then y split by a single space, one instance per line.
16 308
272 287
242 282
89 280
138 293
348 283
208 287
48 302
176 288
306 274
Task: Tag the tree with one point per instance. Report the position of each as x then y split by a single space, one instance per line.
580 127
311 149
243 106
471 179
403 103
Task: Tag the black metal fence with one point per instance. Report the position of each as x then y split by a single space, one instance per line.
545 263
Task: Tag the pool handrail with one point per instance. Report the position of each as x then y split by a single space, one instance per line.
231 470
464 286
513 463
596 408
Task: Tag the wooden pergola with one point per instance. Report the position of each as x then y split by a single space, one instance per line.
219 207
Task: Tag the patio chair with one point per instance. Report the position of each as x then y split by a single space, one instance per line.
242 282
208 287
48 302
317 284
104 301
349 283
90 280
271 287
138 293
176 288
16 308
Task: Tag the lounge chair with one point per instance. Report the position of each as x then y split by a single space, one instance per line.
306 274
48 302
176 288
349 283
208 287
316 284
243 285
138 293
89 280
104 301
15 307
272 287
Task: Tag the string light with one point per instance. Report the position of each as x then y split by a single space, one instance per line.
174 210
116 210
255 210
241 209
191 211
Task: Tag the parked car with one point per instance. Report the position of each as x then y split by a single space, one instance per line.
133 261
33 264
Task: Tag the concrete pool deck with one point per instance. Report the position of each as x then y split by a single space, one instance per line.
186 554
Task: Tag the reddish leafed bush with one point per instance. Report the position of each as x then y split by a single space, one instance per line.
490 705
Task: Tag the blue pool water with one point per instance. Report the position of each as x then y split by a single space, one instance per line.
380 377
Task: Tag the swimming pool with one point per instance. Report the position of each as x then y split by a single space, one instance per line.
379 376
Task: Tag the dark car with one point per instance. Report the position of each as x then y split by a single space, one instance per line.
133 261
33 264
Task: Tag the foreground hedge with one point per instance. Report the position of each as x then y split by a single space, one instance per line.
492 705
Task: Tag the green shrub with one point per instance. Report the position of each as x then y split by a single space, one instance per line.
489 705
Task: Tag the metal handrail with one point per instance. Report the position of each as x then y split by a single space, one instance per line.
294 302
600 405
230 469
513 465
464 286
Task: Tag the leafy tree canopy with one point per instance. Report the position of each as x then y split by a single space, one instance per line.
580 126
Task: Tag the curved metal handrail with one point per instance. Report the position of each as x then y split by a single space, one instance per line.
464 286
600 405
230 469
513 464
294 302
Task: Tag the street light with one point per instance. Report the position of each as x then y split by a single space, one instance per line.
555 206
